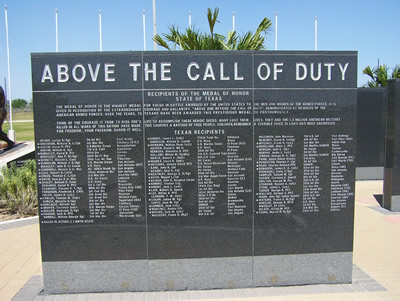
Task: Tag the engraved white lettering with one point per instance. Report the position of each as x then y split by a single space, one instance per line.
47 74
165 70
108 72
62 73
135 72
147 71
189 68
94 74
313 77
83 73
343 69
304 75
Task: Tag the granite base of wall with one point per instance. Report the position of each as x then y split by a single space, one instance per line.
395 207
282 270
369 173
95 276
199 273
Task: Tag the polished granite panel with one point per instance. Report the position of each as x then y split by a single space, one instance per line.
305 172
304 135
392 145
199 158
371 123
89 151
396 163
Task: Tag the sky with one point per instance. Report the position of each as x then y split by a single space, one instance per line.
366 26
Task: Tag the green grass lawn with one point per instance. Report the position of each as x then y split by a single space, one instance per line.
23 130
21 116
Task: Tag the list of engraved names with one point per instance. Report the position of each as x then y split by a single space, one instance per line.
204 146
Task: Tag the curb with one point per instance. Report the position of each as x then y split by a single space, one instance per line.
19 222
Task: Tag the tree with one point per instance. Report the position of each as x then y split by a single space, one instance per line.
380 75
193 39
18 103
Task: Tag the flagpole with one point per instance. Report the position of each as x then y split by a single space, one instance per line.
154 23
100 32
144 30
9 75
233 21
56 30
190 19
5 87
276 30
316 32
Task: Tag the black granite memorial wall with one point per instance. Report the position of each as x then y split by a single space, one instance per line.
161 157
371 123
391 188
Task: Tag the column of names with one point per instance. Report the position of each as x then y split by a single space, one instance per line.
168 157
130 187
341 190
276 167
100 166
58 165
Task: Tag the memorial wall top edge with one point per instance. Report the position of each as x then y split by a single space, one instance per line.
138 70
199 52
